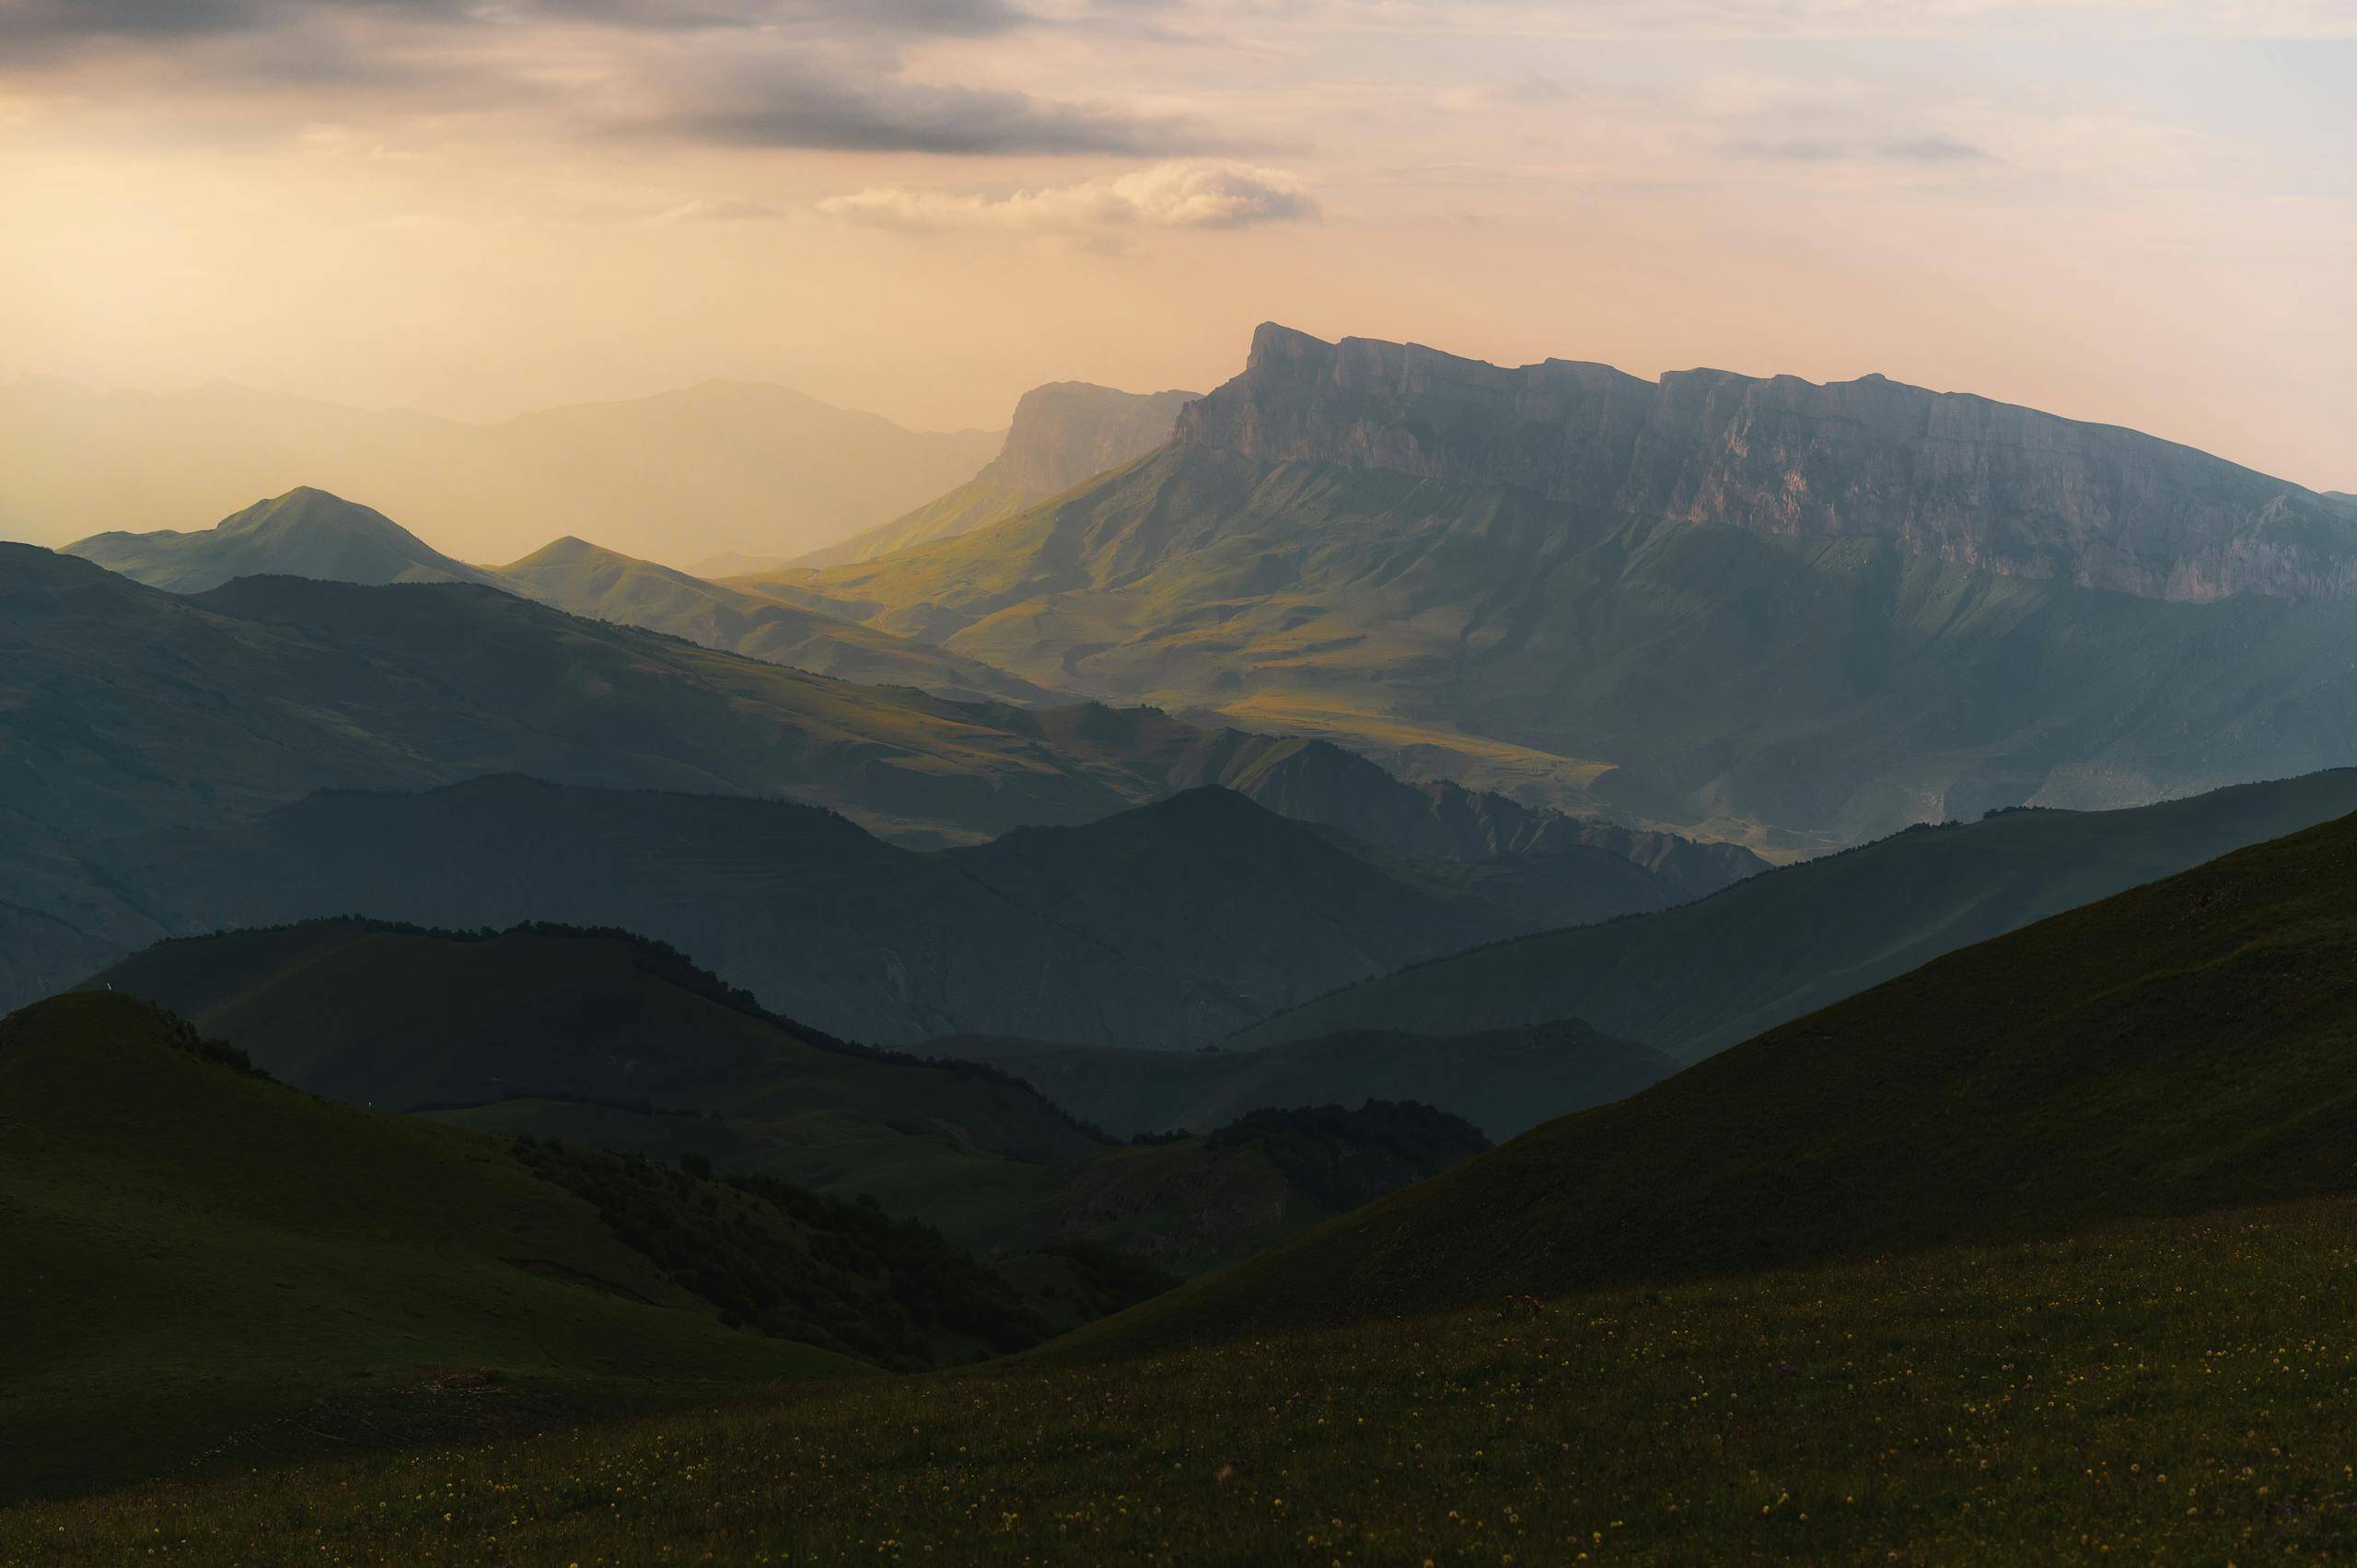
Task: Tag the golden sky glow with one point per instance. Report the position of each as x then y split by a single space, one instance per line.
2139 213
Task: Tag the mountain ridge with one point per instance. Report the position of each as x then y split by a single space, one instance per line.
1781 455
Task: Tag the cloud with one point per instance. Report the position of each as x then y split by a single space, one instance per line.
782 104
1933 149
722 209
1104 212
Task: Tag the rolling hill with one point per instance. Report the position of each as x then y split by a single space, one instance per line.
1792 615
401 1019
1697 978
304 533
210 1270
604 1041
2178 1047
1064 433
725 465
1504 1082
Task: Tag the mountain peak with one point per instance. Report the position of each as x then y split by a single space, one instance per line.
307 532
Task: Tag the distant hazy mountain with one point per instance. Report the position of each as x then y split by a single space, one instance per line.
1796 614
304 533
1697 978
1170 924
726 466
2178 1049
584 579
1504 1082
1064 433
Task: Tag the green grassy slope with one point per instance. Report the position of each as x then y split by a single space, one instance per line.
2181 1046
1693 979
582 579
1807 691
1504 1081
2171 1391
973 505
208 1267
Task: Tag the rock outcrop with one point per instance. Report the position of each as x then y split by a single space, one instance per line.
1977 482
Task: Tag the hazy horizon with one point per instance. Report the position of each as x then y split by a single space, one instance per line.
475 212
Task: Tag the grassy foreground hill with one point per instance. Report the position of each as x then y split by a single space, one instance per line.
206 1267
1696 979
2183 1046
2172 1390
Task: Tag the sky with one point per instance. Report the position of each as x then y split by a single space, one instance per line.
2143 212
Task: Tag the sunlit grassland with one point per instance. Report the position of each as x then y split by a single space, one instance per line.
2176 1390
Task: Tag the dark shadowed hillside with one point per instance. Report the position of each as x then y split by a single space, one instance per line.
208 1269
1693 979
2180 1046
607 1041
1173 924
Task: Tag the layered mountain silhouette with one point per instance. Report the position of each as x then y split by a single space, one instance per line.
1168 925
725 465
1064 433
2178 1047
1694 979
132 712
1801 615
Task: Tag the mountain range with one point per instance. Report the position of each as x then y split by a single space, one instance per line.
1171 924
1795 615
725 465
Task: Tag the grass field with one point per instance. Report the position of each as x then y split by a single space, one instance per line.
2171 1391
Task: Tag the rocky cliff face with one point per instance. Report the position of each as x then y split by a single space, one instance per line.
1068 430
1977 482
